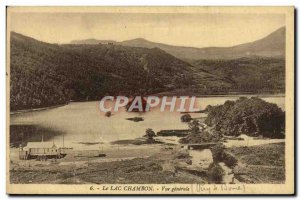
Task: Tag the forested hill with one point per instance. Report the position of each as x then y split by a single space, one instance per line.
253 74
44 74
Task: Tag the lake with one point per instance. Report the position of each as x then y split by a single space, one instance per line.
82 122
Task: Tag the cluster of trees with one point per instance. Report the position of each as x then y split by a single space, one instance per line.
253 74
200 137
198 134
251 116
37 89
45 74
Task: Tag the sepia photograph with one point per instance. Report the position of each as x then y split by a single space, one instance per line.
150 100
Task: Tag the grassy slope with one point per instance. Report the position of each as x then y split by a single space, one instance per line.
136 171
260 164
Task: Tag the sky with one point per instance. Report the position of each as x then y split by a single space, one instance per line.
194 30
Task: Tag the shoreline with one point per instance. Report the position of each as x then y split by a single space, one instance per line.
158 95
35 109
262 95
132 163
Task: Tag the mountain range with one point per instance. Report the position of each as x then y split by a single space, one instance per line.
272 45
44 74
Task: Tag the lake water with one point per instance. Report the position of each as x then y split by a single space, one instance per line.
84 122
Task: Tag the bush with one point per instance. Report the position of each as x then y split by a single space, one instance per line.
219 155
215 173
186 118
194 125
108 114
150 134
217 152
229 159
200 137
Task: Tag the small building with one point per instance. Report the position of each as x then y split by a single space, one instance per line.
41 150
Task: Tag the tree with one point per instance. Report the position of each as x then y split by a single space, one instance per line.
108 114
186 118
215 173
217 152
200 137
150 134
194 125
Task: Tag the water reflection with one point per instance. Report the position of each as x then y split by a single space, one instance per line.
21 134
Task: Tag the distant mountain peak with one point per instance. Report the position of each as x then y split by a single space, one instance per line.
272 45
138 39
280 30
92 41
